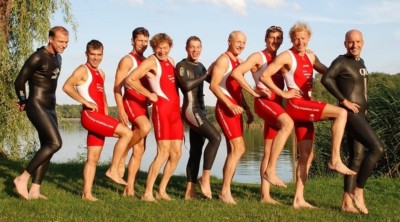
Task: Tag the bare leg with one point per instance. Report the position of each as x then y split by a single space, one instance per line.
205 184
265 185
347 204
170 166
125 136
34 192
89 172
358 198
236 149
133 168
159 160
285 124
338 126
190 191
21 184
302 170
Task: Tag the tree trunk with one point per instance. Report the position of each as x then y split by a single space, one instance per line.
5 9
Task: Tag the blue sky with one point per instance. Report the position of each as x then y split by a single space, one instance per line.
112 21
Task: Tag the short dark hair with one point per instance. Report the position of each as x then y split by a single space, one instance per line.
140 30
192 38
94 44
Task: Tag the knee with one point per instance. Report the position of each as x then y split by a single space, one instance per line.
127 133
56 146
342 114
378 151
145 129
287 126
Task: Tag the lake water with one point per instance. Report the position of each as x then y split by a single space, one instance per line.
74 147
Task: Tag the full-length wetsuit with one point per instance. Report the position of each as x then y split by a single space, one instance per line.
41 71
191 77
347 78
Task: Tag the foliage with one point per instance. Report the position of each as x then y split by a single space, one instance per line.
23 23
63 185
383 114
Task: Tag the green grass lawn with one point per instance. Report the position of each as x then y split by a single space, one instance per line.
63 184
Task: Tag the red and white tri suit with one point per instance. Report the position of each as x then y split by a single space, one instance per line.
98 124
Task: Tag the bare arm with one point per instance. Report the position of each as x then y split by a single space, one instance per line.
78 77
133 80
252 63
122 70
218 69
104 93
282 61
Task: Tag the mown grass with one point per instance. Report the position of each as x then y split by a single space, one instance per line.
63 184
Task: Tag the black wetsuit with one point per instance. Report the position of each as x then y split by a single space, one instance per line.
347 78
41 71
190 80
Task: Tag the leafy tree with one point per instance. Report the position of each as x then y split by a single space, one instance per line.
23 23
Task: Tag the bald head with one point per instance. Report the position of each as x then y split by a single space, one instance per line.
354 42
353 33
236 42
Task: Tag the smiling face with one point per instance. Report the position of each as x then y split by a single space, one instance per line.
193 50
59 41
274 41
94 57
140 43
162 50
300 40
236 42
354 42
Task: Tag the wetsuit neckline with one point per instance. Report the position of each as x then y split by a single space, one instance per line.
350 56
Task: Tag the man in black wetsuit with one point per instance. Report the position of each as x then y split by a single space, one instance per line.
41 71
347 79
191 75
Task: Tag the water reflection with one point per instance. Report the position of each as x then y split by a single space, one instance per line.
74 147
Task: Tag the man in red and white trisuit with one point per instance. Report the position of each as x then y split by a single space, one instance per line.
277 123
229 108
166 117
132 107
86 85
297 65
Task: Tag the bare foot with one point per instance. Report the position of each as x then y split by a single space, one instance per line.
274 180
37 196
128 192
114 176
269 200
89 197
21 187
341 168
349 209
190 193
163 196
148 198
303 204
227 199
205 189
360 204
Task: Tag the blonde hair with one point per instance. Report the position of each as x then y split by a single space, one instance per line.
298 27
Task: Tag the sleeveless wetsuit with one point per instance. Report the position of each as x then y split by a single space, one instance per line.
166 114
302 110
347 78
268 109
98 124
191 77
41 71
231 124
135 103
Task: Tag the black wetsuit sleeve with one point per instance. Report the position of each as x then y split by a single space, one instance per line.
29 67
185 81
328 79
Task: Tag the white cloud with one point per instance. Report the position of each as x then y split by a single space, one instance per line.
271 3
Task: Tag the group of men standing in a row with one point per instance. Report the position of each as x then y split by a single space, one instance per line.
140 81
